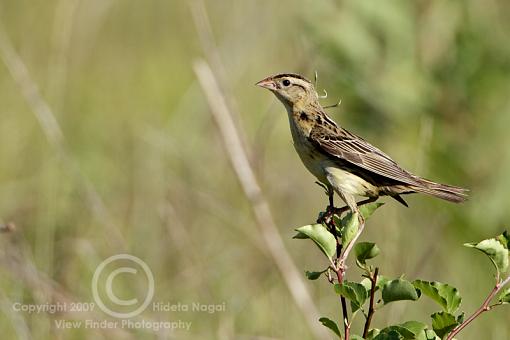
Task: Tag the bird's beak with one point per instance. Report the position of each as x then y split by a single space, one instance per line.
267 83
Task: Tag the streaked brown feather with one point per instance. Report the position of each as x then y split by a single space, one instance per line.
340 143
345 145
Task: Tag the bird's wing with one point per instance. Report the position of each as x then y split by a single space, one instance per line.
342 144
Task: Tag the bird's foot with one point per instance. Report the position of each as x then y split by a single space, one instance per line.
326 216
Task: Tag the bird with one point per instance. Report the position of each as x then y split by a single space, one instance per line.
343 162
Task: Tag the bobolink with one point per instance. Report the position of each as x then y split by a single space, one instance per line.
343 161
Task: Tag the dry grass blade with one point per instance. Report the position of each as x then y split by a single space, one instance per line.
30 91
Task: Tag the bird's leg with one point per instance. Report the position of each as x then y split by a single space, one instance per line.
339 211
360 216
330 209
324 217
331 193
361 219
349 246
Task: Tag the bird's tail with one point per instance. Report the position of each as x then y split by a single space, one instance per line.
444 191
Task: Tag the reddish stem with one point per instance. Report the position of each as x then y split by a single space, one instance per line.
340 272
371 309
347 326
483 308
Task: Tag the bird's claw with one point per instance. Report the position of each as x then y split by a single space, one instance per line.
325 217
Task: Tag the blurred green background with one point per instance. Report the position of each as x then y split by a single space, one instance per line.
141 168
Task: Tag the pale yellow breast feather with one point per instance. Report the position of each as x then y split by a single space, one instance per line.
325 169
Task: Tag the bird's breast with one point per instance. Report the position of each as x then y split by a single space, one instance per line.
327 170
309 155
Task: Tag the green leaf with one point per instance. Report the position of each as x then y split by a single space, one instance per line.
430 335
355 337
381 281
351 225
313 275
504 239
367 284
443 323
365 251
504 297
495 251
391 335
401 331
322 238
331 325
367 210
408 330
446 296
397 290
300 236
373 333
414 327
353 291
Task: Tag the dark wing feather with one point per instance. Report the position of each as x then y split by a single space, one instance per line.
349 147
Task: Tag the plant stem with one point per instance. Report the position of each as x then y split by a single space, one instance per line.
342 258
338 267
340 276
340 272
347 326
483 308
371 309
345 320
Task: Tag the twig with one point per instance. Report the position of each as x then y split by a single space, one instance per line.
340 276
340 272
239 160
330 210
339 267
371 309
347 325
483 308
345 315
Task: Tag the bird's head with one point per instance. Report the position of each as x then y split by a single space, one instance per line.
291 89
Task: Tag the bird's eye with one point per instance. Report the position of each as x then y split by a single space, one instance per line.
286 82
